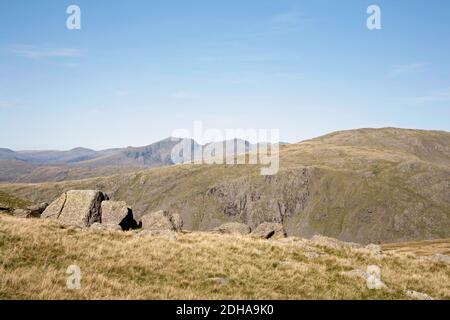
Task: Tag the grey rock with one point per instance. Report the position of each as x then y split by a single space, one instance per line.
177 221
113 212
374 249
22 213
417 295
220 281
440 258
80 208
31 211
311 255
161 220
37 210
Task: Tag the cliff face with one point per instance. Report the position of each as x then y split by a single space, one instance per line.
368 185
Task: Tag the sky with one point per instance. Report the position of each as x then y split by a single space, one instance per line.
138 70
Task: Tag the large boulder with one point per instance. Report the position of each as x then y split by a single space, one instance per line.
79 208
234 228
269 230
161 220
117 213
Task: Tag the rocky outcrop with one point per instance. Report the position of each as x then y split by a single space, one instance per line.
161 220
79 208
21 213
34 211
233 228
37 210
269 230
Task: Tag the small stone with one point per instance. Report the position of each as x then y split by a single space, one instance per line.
219 281
312 255
417 295
374 249
440 258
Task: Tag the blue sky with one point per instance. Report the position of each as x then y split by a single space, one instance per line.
138 70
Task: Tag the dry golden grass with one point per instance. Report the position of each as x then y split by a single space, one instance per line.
34 256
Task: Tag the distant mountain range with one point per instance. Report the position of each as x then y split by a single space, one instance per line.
81 163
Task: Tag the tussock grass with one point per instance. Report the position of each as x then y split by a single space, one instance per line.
34 256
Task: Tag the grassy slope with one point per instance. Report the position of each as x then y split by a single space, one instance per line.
22 172
362 185
35 254
8 201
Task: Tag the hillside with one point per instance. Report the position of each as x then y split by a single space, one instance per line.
204 266
23 172
367 185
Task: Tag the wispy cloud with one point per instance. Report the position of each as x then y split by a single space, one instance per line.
437 96
33 52
407 69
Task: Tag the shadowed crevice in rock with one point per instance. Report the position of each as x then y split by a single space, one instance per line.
62 206
95 213
129 223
